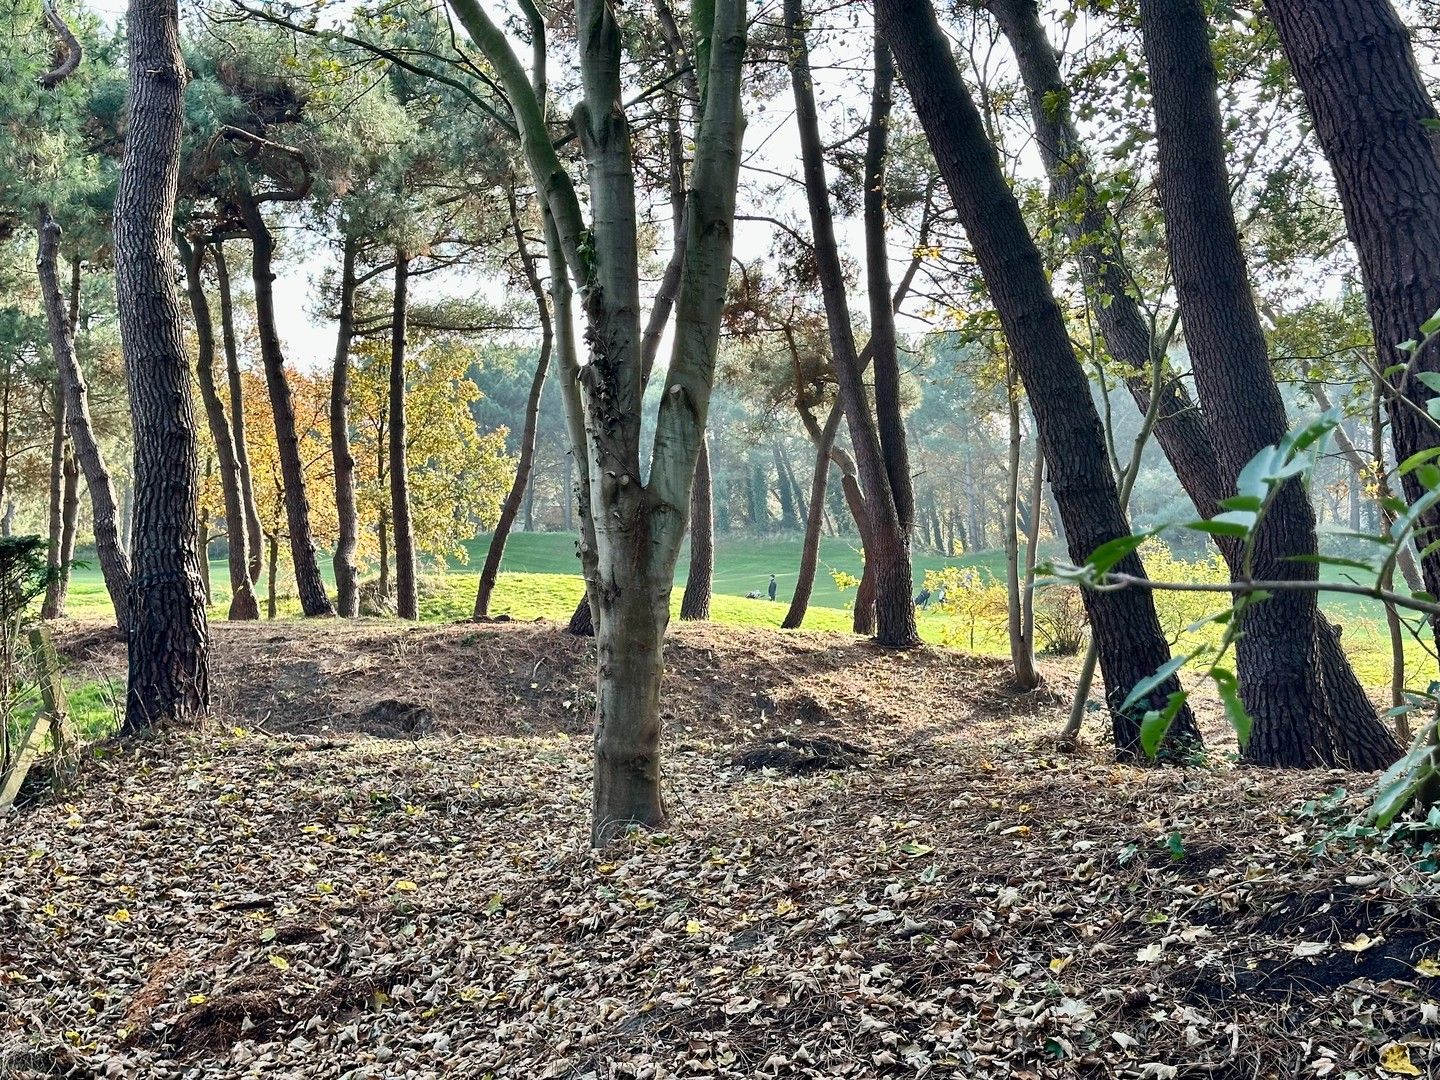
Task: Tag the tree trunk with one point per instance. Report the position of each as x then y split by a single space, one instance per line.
1132 645
1022 649
407 604
272 566
254 539
308 582
114 563
789 519
382 537
168 637
347 577
53 606
887 550
1376 121
695 602
525 464
1295 719
243 604
69 513
810 548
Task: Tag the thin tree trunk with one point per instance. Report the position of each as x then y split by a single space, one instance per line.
69 513
525 463
168 636
789 520
272 565
810 548
53 605
1022 649
347 577
254 539
243 604
1298 721
1132 643
407 603
308 581
887 550
695 602
114 563
382 536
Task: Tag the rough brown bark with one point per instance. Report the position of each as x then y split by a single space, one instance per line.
1376 120
525 463
407 604
824 439
347 578
308 582
887 550
695 602
111 553
1132 645
1295 721
254 538
53 606
243 604
168 637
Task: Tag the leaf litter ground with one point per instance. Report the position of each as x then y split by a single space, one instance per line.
374 863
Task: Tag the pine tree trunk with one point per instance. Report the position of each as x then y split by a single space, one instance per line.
407 604
243 604
524 466
1132 645
254 538
695 602
168 637
308 582
347 577
810 548
272 573
887 550
53 606
1022 650
114 563
1376 121
1277 655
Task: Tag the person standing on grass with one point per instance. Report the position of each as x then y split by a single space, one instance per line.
774 588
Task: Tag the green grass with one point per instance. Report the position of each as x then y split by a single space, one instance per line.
540 579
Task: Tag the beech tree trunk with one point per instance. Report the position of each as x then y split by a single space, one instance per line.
168 637
695 602
308 582
111 553
407 603
1295 721
254 539
887 549
1132 645
347 578
526 461
243 604
1376 122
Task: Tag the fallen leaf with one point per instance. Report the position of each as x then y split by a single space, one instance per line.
1395 1060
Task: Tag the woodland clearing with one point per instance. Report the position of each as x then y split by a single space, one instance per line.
374 861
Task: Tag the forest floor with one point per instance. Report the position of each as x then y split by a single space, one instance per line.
375 863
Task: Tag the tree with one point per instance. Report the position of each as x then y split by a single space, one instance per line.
407 601
1296 723
633 529
1132 646
168 637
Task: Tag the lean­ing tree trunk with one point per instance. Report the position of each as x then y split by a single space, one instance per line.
243 604
347 577
526 461
1376 121
695 601
810 548
1132 645
887 549
53 606
308 582
407 603
1299 721
168 638
254 539
111 553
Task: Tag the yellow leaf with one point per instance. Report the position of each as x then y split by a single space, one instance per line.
1429 968
605 868
644 904
197 999
1395 1060
278 961
120 915
470 993
239 732
324 887
405 886
1058 964
692 927
1361 943
784 907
